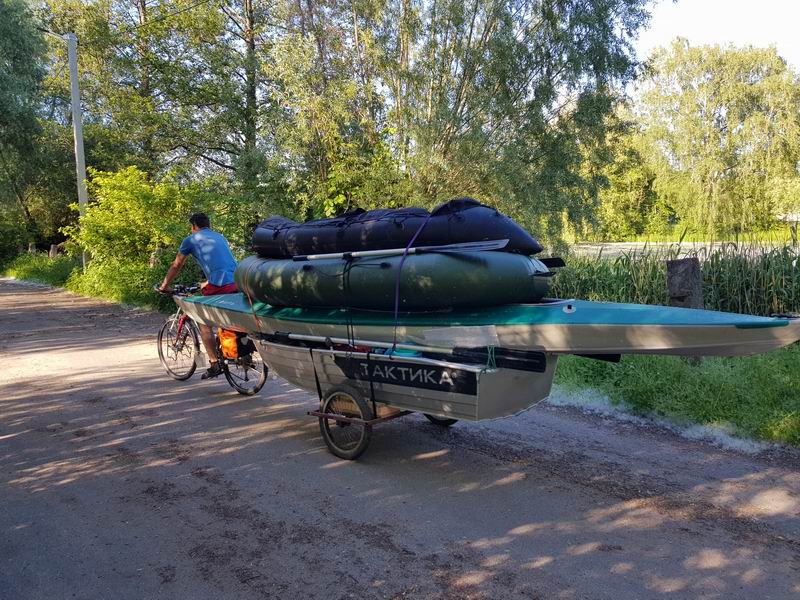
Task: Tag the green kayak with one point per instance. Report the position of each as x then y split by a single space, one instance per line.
427 281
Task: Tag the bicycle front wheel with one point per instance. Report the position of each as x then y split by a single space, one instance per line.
178 346
247 374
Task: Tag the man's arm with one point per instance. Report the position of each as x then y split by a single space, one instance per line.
173 271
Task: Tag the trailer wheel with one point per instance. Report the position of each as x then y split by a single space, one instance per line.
441 421
345 440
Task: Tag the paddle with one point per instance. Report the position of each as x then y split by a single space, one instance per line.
464 247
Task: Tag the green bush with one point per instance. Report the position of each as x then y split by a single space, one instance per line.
128 282
133 230
38 267
13 234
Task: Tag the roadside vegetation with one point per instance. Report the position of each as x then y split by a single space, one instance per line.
780 235
41 269
756 280
753 396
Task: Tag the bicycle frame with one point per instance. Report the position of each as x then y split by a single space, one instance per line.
182 318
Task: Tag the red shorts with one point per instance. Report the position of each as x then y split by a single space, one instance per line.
215 290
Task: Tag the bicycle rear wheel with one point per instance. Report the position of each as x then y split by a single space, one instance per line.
177 350
246 374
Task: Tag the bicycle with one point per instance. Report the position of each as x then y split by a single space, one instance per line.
179 350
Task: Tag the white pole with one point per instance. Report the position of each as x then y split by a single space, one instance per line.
77 126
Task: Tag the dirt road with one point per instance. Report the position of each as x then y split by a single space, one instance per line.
117 482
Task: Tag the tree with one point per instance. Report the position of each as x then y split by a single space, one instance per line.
724 124
21 71
512 97
627 202
496 99
311 107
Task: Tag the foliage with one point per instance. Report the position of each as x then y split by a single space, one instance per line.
755 396
21 70
638 277
21 52
13 237
39 267
628 205
132 232
722 128
126 281
133 217
308 109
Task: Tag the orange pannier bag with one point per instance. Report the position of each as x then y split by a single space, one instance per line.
227 341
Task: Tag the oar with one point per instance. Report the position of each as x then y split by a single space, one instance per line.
464 247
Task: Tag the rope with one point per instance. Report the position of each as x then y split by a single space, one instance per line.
491 362
350 329
397 280
490 358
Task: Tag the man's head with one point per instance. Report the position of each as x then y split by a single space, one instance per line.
199 221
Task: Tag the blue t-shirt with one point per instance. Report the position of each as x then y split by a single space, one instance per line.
210 250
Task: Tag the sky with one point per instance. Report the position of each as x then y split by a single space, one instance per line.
740 22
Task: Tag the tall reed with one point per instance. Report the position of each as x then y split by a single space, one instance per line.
759 280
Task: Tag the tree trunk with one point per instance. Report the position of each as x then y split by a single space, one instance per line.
144 82
251 79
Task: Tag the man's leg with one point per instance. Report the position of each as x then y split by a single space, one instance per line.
208 341
207 335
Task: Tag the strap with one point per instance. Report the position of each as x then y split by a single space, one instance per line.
371 387
397 280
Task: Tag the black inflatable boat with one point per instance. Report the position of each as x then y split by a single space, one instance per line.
457 221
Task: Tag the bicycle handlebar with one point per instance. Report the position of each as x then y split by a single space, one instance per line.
177 290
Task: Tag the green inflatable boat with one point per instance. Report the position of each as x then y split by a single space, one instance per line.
428 281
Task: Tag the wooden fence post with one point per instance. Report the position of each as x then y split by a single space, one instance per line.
684 283
684 286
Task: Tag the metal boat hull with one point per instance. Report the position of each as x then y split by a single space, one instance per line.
556 327
436 387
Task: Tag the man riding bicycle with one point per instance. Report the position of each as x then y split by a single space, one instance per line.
211 251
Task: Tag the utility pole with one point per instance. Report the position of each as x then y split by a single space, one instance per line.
77 126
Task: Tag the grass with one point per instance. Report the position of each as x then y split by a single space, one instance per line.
40 268
755 396
119 281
